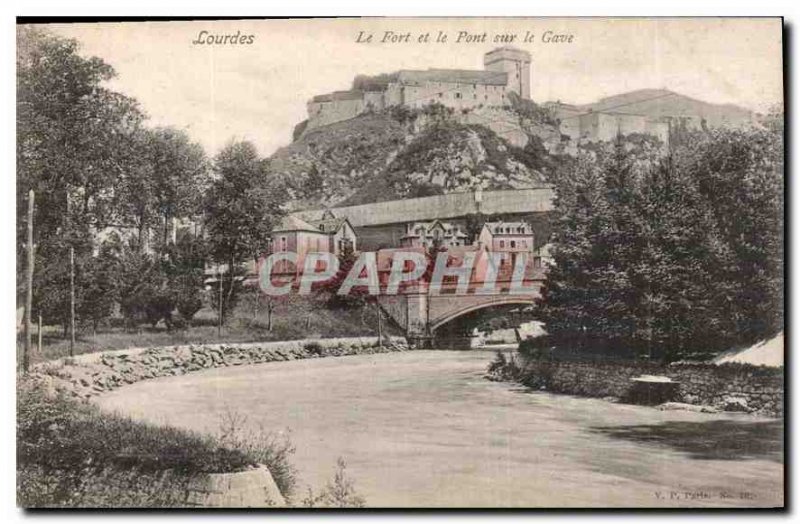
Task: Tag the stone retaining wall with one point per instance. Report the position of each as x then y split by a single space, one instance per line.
92 374
755 389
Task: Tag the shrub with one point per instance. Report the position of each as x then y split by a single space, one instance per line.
535 349
340 493
188 299
504 367
262 446
72 454
314 348
94 488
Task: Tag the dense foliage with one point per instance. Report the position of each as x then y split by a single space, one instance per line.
669 256
115 193
241 208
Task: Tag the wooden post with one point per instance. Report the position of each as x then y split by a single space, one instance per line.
71 301
26 355
219 277
39 332
380 324
255 304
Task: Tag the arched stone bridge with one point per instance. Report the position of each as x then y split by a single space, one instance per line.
421 314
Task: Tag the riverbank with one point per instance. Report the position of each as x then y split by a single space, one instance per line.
71 454
90 374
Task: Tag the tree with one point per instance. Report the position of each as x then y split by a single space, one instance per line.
167 176
739 174
140 280
72 132
73 135
584 298
474 224
183 264
241 208
96 285
669 258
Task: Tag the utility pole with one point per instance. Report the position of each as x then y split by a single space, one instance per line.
219 277
71 301
380 324
26 355
68 228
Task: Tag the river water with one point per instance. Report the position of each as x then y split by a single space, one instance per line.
425 429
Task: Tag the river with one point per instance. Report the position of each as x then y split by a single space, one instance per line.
425 429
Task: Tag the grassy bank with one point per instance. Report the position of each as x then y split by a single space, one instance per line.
71 454
293 318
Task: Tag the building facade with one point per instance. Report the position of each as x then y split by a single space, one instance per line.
512 237
582 125
506 70
341 235
430 234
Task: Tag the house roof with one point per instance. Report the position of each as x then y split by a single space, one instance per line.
330 225
493 227
294 223
429 226
455 76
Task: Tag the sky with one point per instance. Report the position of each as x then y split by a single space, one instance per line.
258 91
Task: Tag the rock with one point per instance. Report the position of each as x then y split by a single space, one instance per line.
735 404
682 406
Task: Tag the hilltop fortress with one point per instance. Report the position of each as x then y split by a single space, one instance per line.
488 91
506 70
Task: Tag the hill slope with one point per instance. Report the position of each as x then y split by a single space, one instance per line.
402 153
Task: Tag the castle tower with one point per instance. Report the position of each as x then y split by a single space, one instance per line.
515 62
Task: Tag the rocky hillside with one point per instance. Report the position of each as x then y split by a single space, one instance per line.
403 153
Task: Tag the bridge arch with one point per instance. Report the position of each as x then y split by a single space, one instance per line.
440 321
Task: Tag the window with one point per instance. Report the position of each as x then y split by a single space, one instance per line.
441 95
283 243
458 95
513 244
502 244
